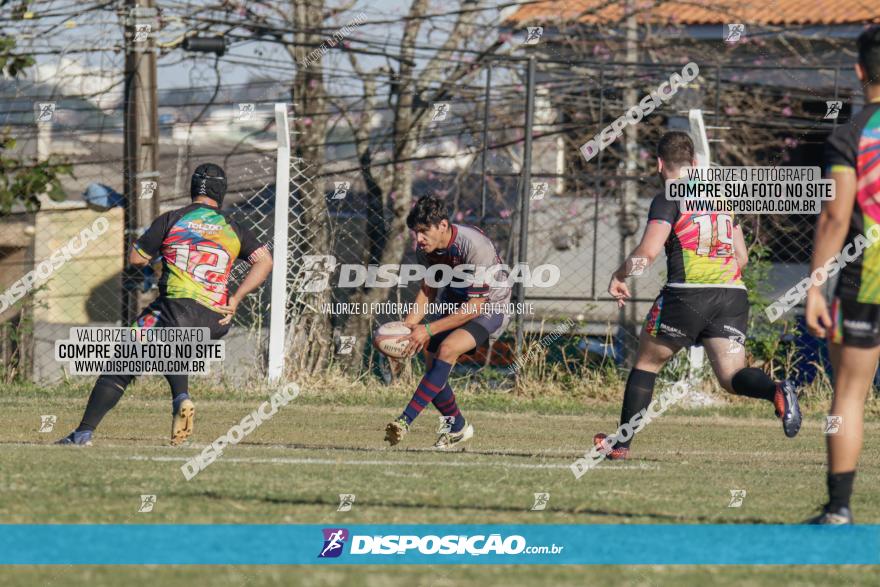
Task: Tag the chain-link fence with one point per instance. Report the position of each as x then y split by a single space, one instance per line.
64 265
580 216
586 215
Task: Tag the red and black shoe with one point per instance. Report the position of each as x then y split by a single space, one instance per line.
787 407
614 454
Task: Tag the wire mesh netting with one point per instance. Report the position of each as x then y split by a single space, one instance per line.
583 216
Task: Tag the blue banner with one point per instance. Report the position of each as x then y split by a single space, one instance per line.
271 544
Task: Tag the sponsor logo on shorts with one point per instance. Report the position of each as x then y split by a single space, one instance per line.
733 330
859 325
671 330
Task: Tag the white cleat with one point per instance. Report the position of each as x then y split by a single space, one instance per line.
449 440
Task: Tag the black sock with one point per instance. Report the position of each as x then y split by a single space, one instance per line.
636 397
840 487
178 383
104 396
752 382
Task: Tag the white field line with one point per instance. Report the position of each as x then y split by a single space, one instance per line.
376 463
653 453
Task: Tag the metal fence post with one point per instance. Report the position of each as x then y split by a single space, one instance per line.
525 188
596 182
485 148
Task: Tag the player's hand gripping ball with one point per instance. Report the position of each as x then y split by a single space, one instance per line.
388 339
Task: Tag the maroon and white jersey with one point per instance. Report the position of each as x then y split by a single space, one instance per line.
470 246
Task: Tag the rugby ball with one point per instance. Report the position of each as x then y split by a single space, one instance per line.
387 339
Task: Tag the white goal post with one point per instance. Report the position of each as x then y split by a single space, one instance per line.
278 299
697 354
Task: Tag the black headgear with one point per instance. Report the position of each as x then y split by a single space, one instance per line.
208 180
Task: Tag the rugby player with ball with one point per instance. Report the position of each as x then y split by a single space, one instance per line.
481 313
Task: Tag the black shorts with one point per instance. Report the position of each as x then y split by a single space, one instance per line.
481 328
181 313
686 315
855 324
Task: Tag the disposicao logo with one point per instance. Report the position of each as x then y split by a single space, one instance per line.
334 540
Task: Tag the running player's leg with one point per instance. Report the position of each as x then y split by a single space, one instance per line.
653 353
432 383
437 370
481 329
854 370
723 338
441 400
183 411
190 314
445 349
460 342
727 358
106 393
448 349
108 389
666 330
445 400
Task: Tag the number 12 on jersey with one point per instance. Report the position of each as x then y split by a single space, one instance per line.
202 257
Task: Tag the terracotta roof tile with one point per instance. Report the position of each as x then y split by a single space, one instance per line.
754 12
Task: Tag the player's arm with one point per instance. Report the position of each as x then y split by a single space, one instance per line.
831 231
137 258
422 333
479 259
261 266
260 260
148 245
653 240
465 312
840 157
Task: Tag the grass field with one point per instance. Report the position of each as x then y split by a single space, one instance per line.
292 468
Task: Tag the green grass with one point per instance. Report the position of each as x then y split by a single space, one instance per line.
292 468
439 576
